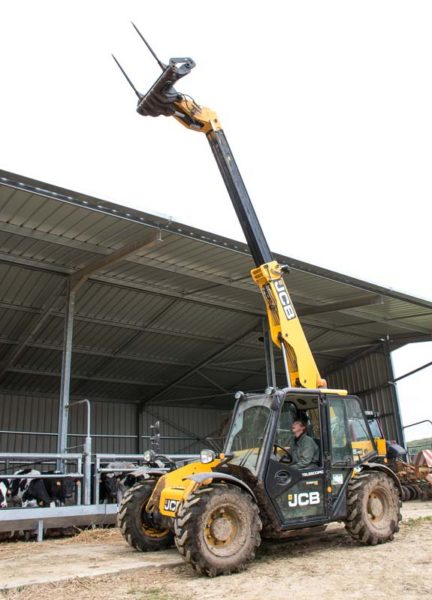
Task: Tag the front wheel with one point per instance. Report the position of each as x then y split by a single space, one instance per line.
140 528
217 529
373 508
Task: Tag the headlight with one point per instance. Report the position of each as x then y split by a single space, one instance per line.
207 456
149 455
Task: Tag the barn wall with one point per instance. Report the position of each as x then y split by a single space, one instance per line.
21 414
368 377
29 424
183 430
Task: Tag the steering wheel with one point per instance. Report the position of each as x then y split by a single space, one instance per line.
286 457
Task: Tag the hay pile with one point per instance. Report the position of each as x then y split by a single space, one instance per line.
110 535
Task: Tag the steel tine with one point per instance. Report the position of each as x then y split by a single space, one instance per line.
159 62
129 81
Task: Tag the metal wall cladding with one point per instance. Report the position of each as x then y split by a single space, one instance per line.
34 421
368 378
29 424
113 426
184 430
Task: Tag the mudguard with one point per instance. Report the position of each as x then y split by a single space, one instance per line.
200 477
384 469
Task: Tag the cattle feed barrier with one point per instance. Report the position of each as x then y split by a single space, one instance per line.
81 514
136 458
38 519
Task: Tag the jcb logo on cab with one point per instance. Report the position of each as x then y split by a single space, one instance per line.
303 499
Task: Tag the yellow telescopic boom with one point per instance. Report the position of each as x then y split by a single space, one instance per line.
286 331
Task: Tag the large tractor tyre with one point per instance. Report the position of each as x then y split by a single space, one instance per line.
373 508
405 493
217 529
138 526
413 491
409 492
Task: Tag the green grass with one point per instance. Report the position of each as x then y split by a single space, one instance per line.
417 521
154 593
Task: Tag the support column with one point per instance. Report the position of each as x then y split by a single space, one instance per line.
394 395
63 416
268 354
139 430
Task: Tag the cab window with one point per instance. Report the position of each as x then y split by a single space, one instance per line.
357 423
341 446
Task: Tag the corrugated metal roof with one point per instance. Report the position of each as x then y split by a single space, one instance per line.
178 321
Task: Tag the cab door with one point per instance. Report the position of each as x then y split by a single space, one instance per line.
298 495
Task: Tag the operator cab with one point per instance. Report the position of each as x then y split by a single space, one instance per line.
261 440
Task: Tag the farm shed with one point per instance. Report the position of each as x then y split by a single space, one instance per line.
151 319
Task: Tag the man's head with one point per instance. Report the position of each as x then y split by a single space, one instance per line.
298 428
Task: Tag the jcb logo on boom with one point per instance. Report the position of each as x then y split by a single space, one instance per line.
285 299
303 499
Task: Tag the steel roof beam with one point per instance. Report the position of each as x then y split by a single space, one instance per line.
202 364
78 278
236 308
64 196
212 381
357 302
41 266
243 283
42 317
141 359
40 373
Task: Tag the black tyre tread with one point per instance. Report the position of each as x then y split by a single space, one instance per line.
129 520
187 522
357 523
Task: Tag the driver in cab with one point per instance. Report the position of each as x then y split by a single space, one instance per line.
304 450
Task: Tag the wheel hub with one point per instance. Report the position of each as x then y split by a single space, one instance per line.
221 529
375 507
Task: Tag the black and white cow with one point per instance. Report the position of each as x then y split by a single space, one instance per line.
4 487
29 491
114 484
59 489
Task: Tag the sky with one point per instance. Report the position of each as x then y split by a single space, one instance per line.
326 106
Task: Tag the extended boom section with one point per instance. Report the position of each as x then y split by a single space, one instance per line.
162 99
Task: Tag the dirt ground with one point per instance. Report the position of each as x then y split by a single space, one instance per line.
328 565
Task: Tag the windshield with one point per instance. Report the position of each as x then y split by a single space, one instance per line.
375 428
248 431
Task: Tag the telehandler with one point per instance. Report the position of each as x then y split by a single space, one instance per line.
217 509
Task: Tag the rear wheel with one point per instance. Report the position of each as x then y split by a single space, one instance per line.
139 528
217 529
373 508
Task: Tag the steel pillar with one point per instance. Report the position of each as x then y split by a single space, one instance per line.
139 430
394 395
66 370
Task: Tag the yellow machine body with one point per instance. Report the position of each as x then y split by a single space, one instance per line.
175 487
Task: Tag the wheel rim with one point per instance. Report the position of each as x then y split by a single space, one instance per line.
223 531
378 507
148 526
